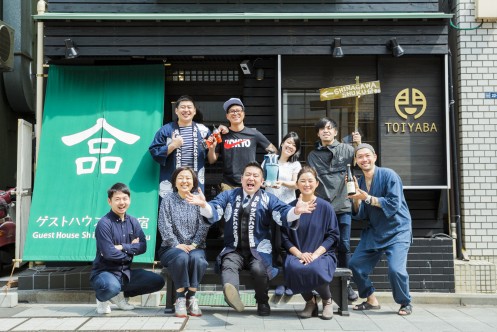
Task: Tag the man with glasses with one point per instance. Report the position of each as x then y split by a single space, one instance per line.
330 159
239 146
249 212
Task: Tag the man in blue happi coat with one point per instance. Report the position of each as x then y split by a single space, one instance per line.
380 200
248 212
182 143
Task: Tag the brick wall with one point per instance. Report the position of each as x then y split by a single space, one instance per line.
476 65
430 264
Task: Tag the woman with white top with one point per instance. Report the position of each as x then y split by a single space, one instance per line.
284 188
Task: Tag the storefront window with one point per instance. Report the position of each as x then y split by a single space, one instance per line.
302 108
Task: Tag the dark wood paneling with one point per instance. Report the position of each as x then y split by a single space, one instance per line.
269 6
419 157
424 209
127 39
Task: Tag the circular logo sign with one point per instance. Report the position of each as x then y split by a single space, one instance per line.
410 103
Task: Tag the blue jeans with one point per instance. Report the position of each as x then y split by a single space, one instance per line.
344 224
186 269
364 260
107 285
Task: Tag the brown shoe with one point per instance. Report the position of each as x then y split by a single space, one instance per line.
327 309
232 297
310 309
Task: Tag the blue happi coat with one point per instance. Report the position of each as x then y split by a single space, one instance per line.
392 222
264 209
158 150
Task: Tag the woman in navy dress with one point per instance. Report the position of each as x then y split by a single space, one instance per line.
312 261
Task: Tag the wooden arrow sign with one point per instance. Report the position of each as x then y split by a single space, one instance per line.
351 90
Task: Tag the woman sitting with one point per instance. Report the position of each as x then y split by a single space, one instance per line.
312 261
183 234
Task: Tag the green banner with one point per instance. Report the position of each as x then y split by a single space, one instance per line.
97 125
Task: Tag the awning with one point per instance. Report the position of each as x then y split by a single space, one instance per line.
235 16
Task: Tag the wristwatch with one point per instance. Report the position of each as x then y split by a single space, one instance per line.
368 199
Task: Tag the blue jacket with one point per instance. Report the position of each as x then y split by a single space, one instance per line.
168 163
268 208
112 231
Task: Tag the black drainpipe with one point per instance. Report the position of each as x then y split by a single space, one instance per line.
455 165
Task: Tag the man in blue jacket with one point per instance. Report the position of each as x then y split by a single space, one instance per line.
380 200
119 239
249 212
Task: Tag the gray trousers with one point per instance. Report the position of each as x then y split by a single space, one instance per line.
234 262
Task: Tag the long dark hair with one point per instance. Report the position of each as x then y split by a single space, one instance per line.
296 139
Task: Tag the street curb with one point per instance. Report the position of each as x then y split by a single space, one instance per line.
88 296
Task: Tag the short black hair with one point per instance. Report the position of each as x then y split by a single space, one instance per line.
118 187
181 169
253 164
323 122
184 98
296 140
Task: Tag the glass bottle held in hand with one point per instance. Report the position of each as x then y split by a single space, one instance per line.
350 181
216 134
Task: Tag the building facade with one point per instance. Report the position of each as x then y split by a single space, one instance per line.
476 68
277 58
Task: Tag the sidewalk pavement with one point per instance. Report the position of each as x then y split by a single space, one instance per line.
432 312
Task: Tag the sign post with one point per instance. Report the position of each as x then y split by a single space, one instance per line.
352 90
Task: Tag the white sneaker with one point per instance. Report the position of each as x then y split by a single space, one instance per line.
180 307
103 307
121 302
192 307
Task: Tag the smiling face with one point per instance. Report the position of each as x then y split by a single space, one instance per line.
119 203
327 134
288 147
307 184
252 180
366 159
185 112
184 182
235 115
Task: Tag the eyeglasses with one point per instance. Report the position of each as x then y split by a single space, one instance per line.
236 111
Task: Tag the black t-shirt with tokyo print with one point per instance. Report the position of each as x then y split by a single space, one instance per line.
237 149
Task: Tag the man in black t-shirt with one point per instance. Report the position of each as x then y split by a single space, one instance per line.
239 146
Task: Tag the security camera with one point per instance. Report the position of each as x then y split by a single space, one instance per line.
246 67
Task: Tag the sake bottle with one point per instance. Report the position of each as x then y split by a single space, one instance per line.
350 181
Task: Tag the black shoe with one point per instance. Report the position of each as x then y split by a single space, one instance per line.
263 309
351 294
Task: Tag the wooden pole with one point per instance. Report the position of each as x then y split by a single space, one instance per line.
356 120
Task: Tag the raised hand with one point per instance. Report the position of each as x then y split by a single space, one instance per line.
223 129
305 207
198 199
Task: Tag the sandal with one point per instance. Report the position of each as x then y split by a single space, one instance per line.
366 306
405 310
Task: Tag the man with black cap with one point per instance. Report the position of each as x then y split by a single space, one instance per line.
380 200
239 146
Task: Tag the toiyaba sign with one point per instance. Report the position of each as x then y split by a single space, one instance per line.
412 120
98 123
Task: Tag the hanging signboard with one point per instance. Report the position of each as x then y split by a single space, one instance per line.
98 123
